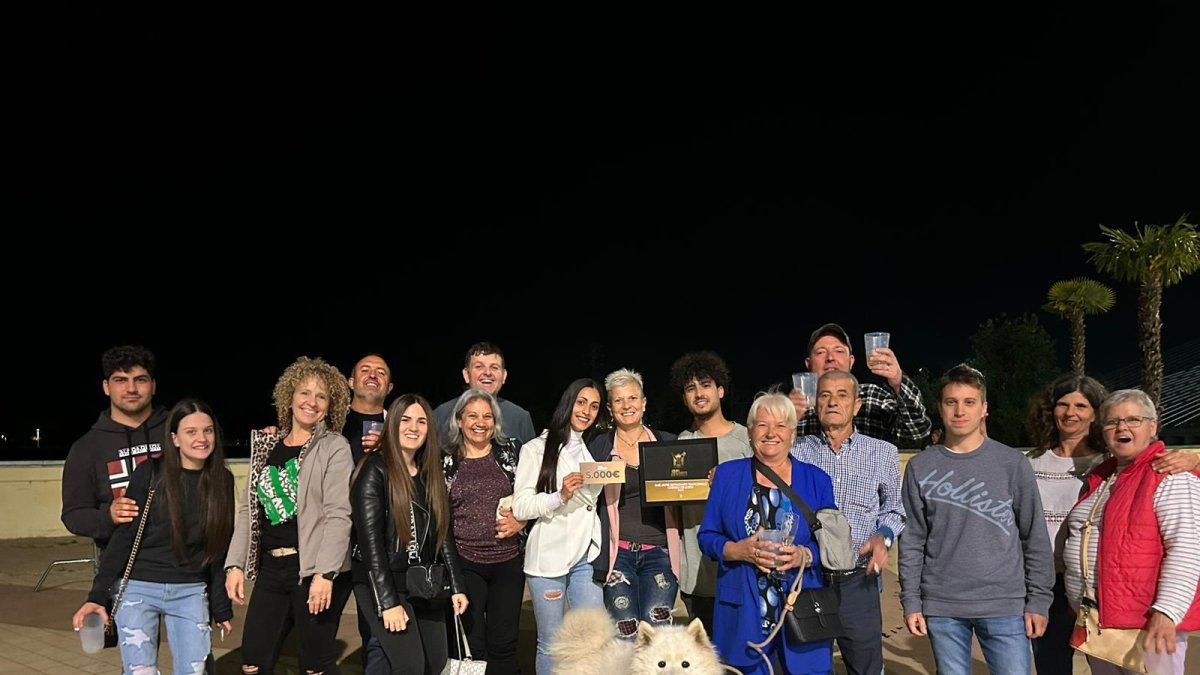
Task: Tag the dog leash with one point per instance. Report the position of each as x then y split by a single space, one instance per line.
788 606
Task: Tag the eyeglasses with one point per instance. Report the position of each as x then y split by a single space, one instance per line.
1133 422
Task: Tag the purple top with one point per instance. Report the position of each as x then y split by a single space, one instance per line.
474 495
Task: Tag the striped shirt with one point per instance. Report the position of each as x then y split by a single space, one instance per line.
866 483
1177 507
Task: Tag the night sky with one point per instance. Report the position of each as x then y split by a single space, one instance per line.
611 187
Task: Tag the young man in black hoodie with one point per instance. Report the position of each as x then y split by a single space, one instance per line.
100 463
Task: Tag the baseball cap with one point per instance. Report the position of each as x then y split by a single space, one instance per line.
830 329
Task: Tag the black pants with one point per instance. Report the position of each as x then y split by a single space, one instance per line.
278 604
862 620
700 607
1052 653
419 649
493 618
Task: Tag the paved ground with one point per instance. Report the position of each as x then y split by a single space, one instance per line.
36 635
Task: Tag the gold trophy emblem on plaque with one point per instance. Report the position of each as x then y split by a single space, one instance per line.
677 461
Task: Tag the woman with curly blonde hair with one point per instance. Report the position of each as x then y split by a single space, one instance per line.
292 534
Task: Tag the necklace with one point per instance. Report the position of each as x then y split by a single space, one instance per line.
632 444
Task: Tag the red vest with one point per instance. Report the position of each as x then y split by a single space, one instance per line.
1130 548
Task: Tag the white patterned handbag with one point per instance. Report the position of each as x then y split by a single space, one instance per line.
463 665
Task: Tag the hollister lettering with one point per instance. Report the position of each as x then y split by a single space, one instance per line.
969 494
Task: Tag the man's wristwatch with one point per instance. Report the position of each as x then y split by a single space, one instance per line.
887 541
328 576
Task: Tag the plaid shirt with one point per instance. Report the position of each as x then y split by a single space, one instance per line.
884 415
866 483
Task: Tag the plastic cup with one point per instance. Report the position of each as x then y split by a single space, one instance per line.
91 636
806 383
774 537
874 341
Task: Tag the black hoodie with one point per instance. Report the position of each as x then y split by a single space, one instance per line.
98 468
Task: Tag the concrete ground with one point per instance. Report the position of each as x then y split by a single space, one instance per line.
36 634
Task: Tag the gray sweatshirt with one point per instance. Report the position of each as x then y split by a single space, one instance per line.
975 545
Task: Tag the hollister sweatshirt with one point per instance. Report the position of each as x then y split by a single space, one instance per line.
975 545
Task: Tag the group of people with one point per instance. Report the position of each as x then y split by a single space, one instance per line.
435 516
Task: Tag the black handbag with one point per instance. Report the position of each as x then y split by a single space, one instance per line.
813 614
427 583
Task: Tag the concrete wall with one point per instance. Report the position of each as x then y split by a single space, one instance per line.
31 495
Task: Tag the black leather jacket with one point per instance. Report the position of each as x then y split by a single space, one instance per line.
377 553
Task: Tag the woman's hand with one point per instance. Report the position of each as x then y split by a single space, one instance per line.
88 608
459 602
235 585
751 550
793 557
320 594
226 628
570 484
395 619
507 526
1173 461
1160 634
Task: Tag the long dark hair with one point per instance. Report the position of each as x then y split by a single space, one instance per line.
429 465
1042 426
560 431
215 487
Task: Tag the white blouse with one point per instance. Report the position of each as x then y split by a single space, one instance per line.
563 534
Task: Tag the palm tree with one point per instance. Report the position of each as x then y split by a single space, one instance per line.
1154 256
1072 300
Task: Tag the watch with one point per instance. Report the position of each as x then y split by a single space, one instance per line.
887 541
328 576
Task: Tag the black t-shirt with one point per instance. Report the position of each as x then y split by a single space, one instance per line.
277 489
354 430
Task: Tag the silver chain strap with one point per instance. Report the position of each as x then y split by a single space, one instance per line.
111 626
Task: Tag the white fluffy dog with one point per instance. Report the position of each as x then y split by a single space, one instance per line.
587 644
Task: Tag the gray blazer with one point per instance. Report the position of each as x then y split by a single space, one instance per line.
323 505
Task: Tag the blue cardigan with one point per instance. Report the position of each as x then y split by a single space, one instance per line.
736 618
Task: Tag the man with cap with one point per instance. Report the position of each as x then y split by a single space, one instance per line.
894 413
866 487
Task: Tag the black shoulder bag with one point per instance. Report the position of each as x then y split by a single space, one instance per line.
809 614
427 584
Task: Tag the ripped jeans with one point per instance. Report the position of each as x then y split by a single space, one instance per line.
642 587
548 593
184 607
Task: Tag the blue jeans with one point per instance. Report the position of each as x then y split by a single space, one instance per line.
184 609
548 593
642 587
1002 639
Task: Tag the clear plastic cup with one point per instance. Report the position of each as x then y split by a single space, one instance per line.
774 537
91 635
872 342
806 383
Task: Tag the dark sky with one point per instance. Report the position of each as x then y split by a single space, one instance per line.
588 188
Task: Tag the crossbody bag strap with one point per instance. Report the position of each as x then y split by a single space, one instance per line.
137 540
813 523
1088 590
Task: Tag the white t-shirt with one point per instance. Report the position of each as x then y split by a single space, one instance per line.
1060 481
